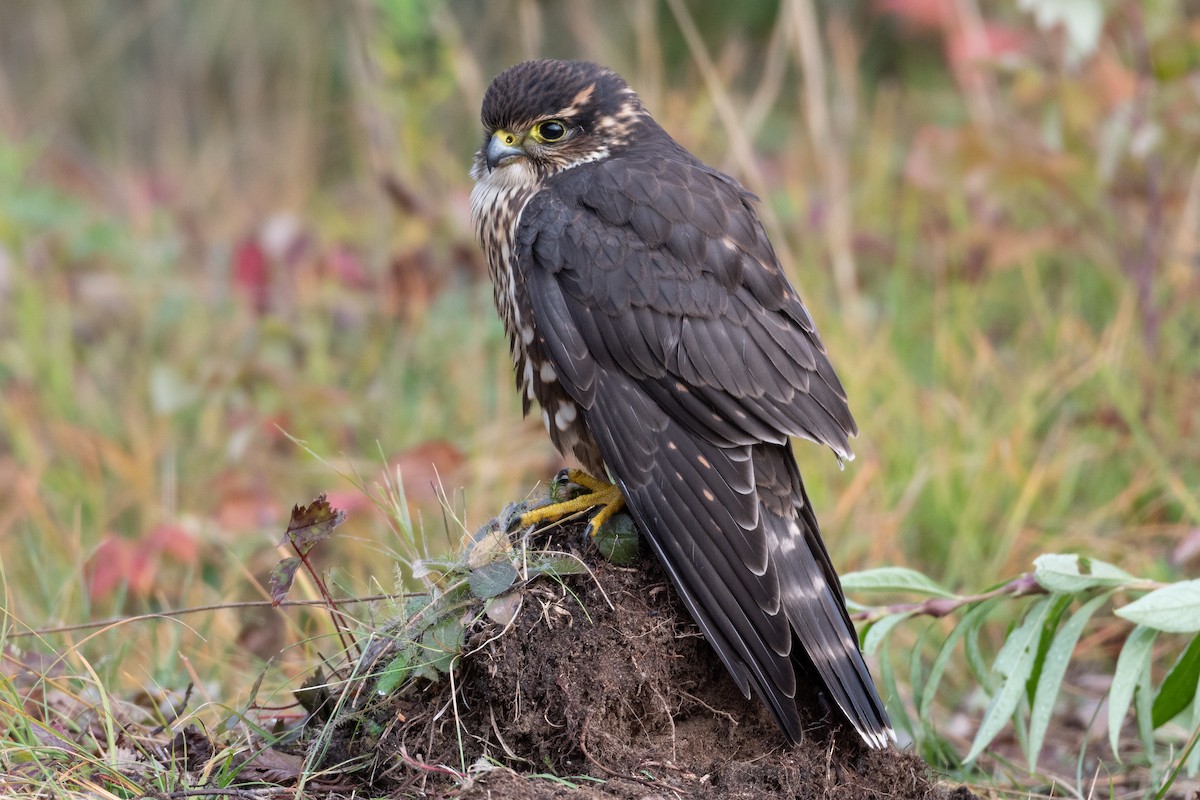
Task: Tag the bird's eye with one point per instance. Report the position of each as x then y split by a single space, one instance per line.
549 131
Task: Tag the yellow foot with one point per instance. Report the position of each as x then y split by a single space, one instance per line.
600 493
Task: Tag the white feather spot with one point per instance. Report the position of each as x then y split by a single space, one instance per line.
547 373
527 379
564 416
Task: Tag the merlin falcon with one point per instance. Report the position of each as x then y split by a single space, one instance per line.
649 317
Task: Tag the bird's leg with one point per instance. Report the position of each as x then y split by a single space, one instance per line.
599 493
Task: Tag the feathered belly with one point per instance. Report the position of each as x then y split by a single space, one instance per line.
496 204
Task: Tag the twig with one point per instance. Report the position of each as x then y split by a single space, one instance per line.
179 612
939 607
343 634
209 792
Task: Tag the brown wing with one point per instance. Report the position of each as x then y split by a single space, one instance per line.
668 320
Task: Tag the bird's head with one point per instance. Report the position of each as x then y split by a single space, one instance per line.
547 116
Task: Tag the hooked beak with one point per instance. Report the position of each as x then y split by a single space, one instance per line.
502 148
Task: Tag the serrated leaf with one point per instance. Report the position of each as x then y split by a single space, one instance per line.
894 579
1054 667
282 576
1072 574
1014 663
879 630
312 524
1174 608
1179 686
1131 663
492 579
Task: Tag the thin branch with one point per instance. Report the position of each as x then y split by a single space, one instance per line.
179 612
1020 586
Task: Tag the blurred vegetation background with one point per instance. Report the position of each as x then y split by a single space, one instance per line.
229 225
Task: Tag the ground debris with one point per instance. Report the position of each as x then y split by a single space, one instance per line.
601 687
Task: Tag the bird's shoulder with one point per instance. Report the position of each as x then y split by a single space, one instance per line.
660 270
657 229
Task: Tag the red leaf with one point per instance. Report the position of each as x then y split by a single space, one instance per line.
175 541
312 524
252 274
282 575
993 43
121 562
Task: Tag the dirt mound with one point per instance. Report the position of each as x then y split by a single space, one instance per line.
603 687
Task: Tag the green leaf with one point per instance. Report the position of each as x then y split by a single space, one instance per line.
396 672
1192 759
1131 663
1179 687
1143 707
1054 667
492 579
970 622
1015 664
878 631
1071 574
915 678
441 644
895 705
1174 608
556 566
975 661
894 579
1059 604
618 541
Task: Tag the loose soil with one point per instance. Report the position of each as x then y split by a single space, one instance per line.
603 687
